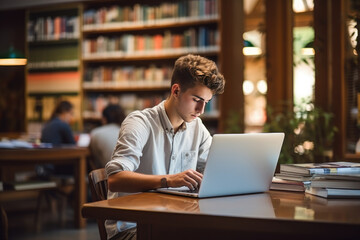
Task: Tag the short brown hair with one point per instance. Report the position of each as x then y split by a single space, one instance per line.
191 69
62 107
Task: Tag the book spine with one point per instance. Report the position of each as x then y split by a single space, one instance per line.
94 104
334 170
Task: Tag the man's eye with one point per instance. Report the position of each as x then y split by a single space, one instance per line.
196 100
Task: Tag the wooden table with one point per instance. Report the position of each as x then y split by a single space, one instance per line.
271 215
65 155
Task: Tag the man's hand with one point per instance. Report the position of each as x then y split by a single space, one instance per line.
189 178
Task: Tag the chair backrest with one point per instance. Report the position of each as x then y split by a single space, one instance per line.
3 224
98 187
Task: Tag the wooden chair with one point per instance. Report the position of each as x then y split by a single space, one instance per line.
4 224
98 187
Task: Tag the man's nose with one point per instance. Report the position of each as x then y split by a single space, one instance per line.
200 107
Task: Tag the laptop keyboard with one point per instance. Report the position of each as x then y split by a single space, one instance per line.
189 191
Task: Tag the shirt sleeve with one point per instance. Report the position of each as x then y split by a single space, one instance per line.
134 134
203 148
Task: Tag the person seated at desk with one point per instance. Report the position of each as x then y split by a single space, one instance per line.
103 139
162 146
57 131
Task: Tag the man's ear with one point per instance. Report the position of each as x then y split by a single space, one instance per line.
175 89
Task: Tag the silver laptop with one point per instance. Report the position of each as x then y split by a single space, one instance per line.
237 164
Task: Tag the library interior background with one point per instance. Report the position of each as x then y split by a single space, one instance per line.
289 66
280 61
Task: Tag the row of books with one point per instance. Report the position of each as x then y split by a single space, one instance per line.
128 43
146 13
328 180
40 108
54 56
47 82
54 64
127 76
94 104
53 28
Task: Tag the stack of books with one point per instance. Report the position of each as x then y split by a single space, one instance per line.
336 185
328 180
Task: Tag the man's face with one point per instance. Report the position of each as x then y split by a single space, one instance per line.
191 103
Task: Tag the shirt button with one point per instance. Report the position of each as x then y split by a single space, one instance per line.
187 154
173 158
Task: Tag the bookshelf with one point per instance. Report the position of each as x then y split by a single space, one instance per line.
53 73
129 49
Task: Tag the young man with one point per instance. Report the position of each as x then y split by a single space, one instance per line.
162 146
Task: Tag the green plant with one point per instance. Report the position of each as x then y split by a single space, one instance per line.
309 133
233 123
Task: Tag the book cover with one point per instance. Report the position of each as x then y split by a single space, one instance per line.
321 168
339 176
333 192
286 185
293 177
335 183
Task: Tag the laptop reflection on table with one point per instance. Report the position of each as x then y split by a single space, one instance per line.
258 205
237 164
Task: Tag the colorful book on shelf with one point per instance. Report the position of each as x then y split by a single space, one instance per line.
321 168
333 192
286 185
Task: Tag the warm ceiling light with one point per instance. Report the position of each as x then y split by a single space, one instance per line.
248 87
262 86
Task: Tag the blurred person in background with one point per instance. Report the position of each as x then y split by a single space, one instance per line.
103 139
58 132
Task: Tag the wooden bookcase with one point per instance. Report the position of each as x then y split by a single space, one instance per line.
129 50
53 73
94 66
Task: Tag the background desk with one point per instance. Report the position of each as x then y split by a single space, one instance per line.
69 155
271 215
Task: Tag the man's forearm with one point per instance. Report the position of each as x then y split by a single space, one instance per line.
127 181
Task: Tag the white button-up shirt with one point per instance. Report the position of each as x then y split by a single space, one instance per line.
147 144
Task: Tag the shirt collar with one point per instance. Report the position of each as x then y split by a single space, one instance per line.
165 121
